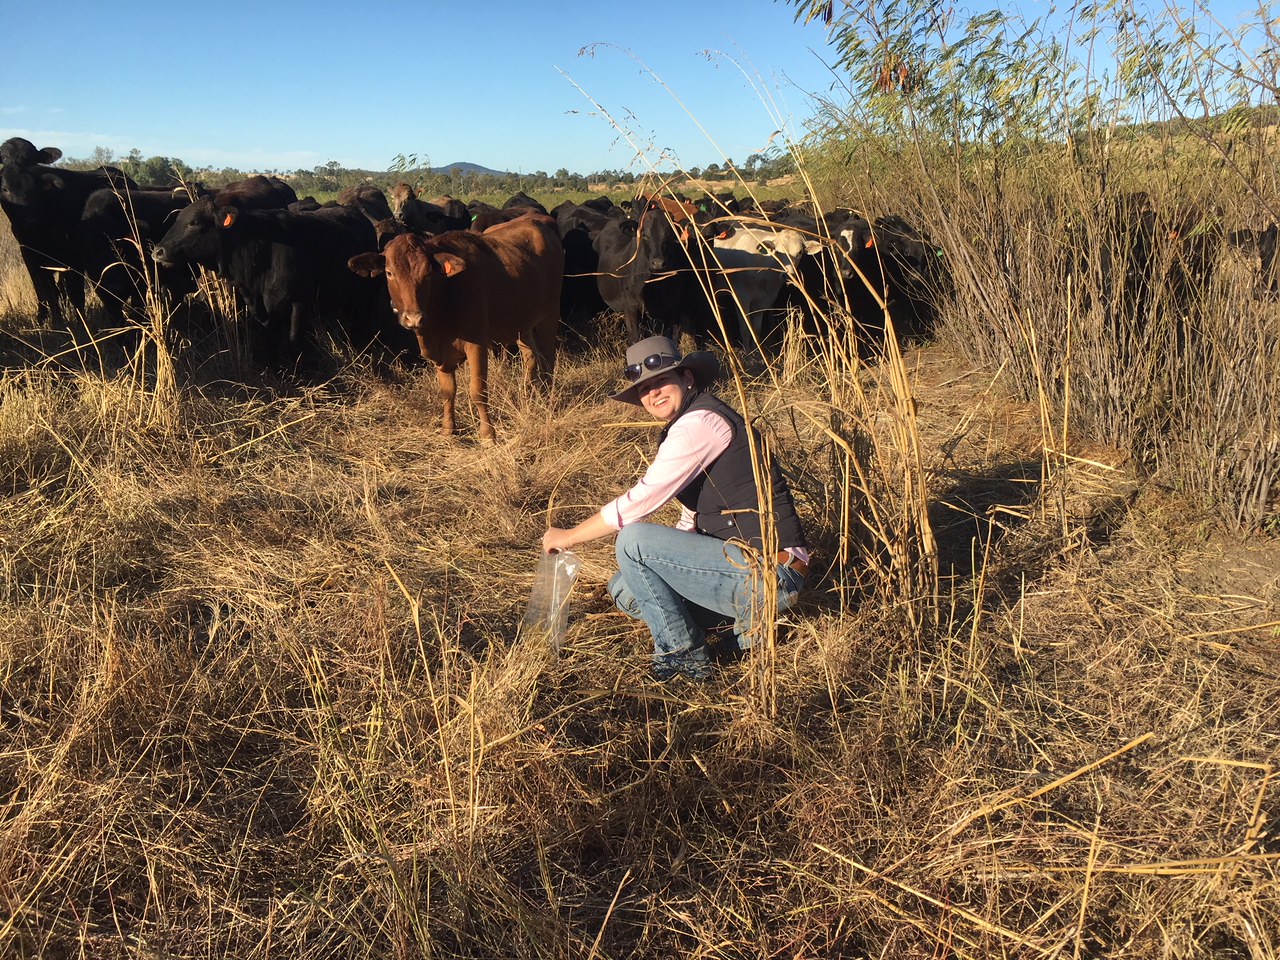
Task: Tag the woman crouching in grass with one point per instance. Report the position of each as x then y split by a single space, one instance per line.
705 572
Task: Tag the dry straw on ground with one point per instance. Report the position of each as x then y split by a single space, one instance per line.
261 693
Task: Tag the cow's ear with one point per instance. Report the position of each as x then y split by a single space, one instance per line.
368 264
227 216
450 264
51 181
48 155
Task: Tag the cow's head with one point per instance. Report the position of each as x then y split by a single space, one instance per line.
24 183
193 237
667 243
23 153
400 194
414 272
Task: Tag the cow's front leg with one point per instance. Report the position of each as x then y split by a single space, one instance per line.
298 323
448 388
478 362
633 316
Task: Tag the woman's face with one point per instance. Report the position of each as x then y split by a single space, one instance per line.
664 394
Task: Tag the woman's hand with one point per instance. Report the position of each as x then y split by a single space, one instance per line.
592 528
555 540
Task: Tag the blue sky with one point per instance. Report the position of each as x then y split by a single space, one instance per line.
518 86
287 85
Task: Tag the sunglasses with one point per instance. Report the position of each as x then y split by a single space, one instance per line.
656 361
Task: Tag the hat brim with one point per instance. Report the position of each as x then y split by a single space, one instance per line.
701 363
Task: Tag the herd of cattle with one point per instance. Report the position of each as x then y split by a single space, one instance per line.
464 277
665 265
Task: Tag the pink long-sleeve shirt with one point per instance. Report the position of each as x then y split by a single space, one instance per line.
693 443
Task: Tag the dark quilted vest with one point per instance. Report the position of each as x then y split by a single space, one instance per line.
724 496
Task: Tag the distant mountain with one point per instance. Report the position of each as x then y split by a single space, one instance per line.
468 168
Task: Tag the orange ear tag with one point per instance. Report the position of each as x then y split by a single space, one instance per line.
870 244
227 220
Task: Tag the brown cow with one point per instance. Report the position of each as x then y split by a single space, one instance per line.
678 211
462 292
399 194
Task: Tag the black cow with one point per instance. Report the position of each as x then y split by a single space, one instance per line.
580 299
452 207
749 289
645 272
718 204
422 216
388 230
44 205
883 263
484 215
860 277
115 235
1267 259
601 205
522 199
369 200
1150 267
256 193
287 268
771 208
916 277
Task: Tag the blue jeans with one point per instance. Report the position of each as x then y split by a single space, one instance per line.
682 583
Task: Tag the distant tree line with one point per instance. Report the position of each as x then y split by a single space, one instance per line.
332 177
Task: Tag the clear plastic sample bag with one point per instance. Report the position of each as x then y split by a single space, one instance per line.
547 612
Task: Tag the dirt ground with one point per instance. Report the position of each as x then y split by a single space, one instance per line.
985 446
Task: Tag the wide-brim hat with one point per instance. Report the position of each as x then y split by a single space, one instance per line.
655 356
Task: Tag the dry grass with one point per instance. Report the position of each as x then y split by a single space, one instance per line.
17 297
1179 369
260 693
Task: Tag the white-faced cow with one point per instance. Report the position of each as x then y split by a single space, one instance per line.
462 292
